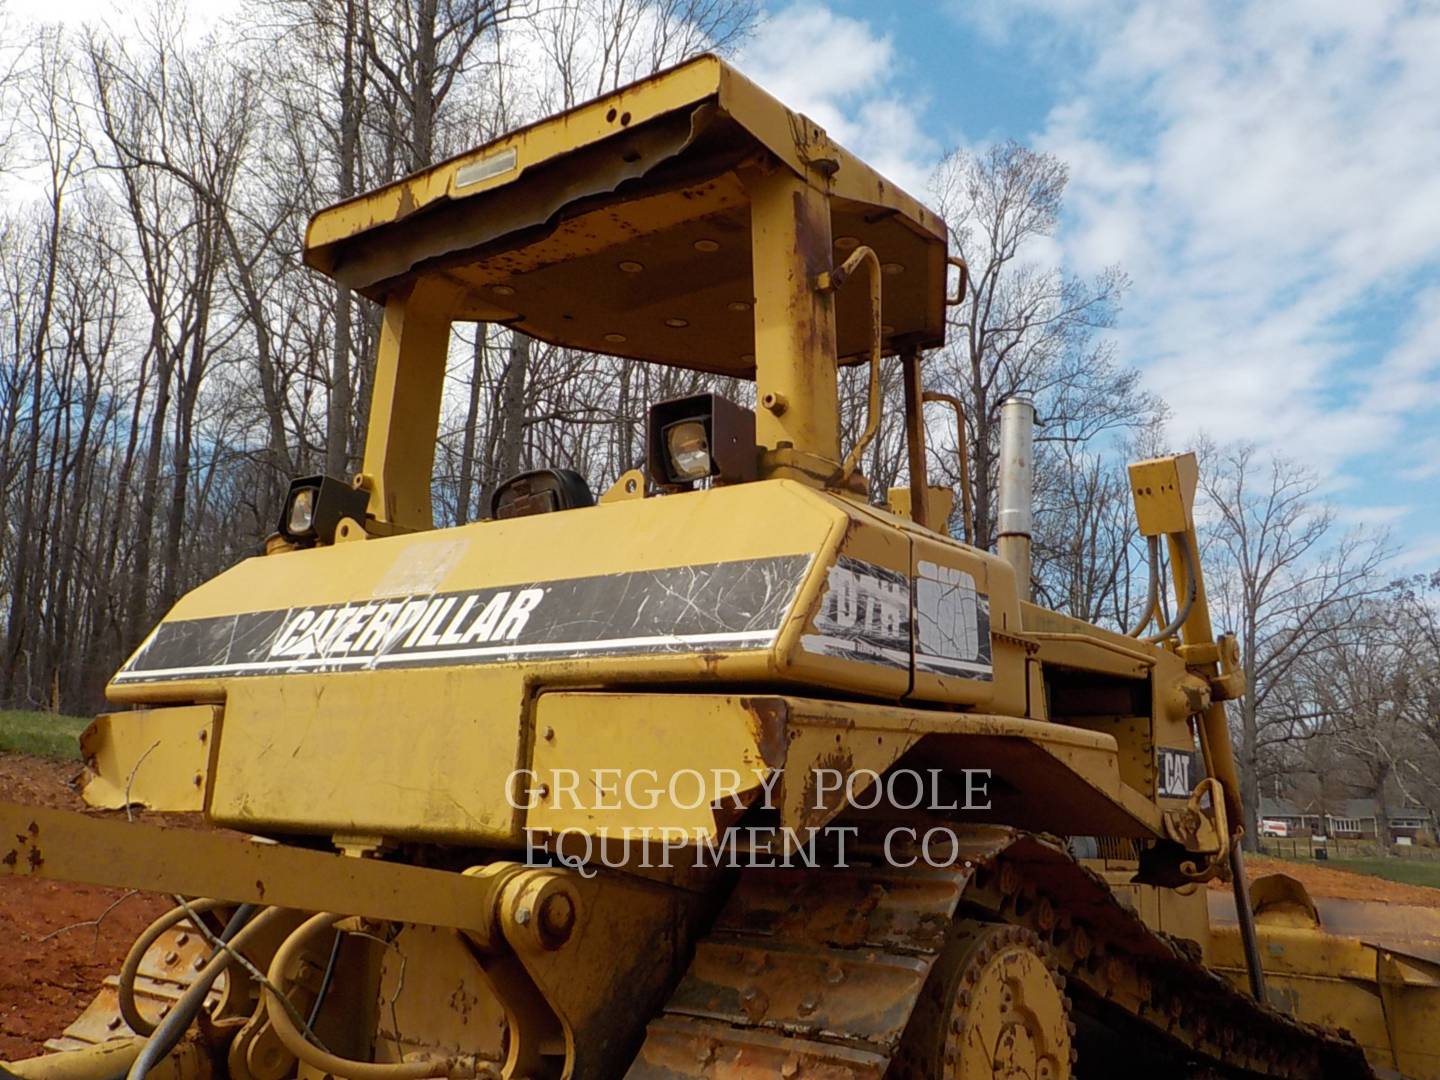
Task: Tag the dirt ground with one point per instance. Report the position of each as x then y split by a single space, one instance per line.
1338 884
54 954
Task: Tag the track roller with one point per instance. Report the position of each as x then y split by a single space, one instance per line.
994 1007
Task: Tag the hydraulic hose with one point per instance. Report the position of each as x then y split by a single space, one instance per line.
1152 596
243 926
1192 593
125 991
294 1040
326 980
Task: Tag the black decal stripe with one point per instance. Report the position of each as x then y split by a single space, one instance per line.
731 605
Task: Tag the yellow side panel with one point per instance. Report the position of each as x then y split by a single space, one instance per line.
654 764
158 758
413 754
1326 980
746 521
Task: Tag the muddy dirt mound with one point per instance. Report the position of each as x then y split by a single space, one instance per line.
53 952
38 782
1320 880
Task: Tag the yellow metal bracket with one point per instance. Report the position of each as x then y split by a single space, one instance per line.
630 485
405 405
1164 491
65 846
1202 831
160 758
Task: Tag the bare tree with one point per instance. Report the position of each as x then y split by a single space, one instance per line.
1288 582
57 137
1087 551
594 46
1414 607
1032 329
422 49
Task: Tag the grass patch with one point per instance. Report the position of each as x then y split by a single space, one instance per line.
41 734
1416 867
1407 871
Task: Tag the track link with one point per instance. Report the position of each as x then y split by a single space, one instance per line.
816 973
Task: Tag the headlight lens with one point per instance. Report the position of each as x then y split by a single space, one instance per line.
540 491
315 506
688 439
689 450
516 501
301 516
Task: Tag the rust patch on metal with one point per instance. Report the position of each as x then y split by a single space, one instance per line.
407 204
771 728
814 809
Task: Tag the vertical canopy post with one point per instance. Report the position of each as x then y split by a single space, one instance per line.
796 382
405 407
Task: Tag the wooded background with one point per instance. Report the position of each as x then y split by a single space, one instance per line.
167 364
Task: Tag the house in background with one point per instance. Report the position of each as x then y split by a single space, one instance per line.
1344 819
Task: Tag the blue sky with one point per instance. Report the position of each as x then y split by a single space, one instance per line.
1267 172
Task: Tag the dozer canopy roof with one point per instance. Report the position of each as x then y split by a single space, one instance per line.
622 226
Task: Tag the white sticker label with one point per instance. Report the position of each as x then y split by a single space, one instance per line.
420 568
864 615
949 613
488 167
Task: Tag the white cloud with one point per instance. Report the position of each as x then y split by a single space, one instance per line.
842 74
1419 557
1371 517
1269 174
200 15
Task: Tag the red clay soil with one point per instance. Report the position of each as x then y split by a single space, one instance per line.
53 954
1323 881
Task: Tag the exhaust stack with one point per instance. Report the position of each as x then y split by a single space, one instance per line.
1017 487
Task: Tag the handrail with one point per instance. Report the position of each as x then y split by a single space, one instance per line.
831 281
967 512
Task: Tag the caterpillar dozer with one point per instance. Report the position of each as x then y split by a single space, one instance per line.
728 773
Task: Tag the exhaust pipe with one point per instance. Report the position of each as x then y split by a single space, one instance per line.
1015 515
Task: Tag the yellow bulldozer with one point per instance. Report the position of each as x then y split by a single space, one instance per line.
726 773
